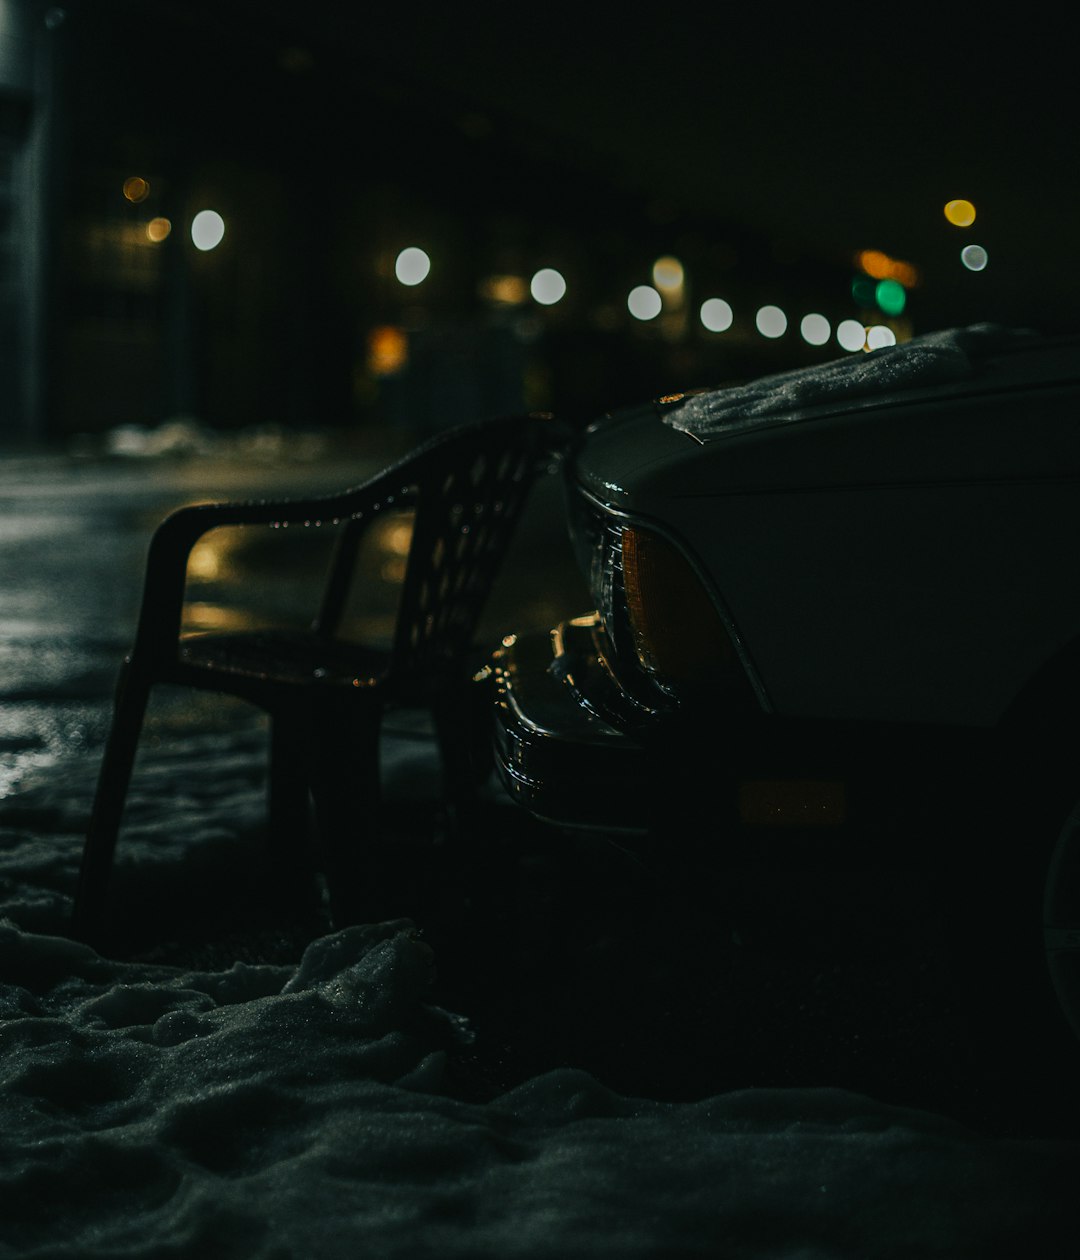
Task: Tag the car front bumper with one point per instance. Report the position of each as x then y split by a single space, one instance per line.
563 760
560 755
555 754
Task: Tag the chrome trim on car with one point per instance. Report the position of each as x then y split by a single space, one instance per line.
554 756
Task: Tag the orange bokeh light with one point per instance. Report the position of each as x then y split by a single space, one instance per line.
388 350
881 267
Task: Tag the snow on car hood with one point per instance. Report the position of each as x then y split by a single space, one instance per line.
932 360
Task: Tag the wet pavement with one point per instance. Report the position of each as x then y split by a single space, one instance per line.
73 538
667 978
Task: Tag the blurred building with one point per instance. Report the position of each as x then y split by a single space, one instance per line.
203 212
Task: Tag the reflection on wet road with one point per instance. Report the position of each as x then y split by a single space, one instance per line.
73 539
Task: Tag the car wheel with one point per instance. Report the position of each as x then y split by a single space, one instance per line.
1012 908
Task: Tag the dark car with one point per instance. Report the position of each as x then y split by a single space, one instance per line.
824 594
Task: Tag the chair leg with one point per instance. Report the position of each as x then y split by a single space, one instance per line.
462 728
113 781
343 749
287 820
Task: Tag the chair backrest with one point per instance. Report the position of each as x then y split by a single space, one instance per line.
468 488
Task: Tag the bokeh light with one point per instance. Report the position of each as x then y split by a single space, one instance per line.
388 350
851 334
716 315
504 290
974 257
890 297
878 336
668 274
644 302
863 290
547 286
878 264
771 321
960 213
412 266
158 229
815 329
136 189
207 230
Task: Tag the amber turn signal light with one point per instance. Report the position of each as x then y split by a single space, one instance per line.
678 633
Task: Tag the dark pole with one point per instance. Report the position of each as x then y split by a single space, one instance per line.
46 49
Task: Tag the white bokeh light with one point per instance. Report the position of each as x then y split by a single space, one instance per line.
771 321
412 266
879 335
815 329
851 334
716 315
644 302
207 230
974 257
547 286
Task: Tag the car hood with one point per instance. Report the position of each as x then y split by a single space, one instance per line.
965 404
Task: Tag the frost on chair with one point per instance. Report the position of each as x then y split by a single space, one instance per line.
325 696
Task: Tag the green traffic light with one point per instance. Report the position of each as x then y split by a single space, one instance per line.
862 290
890 297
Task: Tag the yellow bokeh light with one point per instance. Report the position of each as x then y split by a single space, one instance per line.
667 274
158 229
960 213
396 538
206 559
136 189
504 290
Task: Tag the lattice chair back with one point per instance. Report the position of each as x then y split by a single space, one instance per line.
467 506
467 489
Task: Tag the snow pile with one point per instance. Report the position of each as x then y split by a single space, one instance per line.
266 1111
934 359
302 1109
186 438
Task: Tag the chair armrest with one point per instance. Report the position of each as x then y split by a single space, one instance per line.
161 612
166 567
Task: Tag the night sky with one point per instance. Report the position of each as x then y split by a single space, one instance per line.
764 153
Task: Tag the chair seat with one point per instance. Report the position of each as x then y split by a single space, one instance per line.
293 659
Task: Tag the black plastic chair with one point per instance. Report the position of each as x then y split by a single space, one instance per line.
326 696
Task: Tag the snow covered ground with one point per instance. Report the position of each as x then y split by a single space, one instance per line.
236 1080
